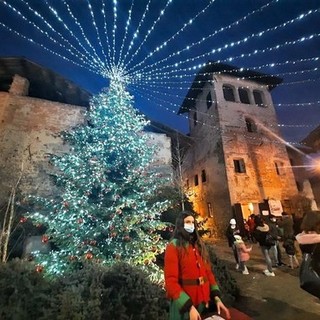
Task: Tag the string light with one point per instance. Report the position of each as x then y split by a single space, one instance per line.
160 76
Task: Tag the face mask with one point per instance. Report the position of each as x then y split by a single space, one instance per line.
273 220
233 226
189 227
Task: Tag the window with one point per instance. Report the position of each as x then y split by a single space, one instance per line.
228 93
209 100
239 166
203 176
251 126
195 120
196 180
244 95
258 98
279 168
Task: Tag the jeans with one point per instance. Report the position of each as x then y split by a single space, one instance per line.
274 253
265 252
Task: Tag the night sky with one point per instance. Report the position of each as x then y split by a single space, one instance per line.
160 45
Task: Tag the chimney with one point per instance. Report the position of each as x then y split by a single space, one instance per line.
19 86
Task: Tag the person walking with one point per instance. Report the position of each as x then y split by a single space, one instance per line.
288 245
231 231
251 226
243 254
189 281
286 224
275 250
261 232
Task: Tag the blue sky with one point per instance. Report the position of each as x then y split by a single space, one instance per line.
162 43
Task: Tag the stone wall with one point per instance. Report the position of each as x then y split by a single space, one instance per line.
28 136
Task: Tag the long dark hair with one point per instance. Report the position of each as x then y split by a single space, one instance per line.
184 238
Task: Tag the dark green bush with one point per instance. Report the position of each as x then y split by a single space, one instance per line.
24 293
120 292
95 292
228 285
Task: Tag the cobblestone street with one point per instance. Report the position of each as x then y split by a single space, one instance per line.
265 298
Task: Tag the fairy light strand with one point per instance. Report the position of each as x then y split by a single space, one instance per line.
119 64
191 45
135 34
231 44
165 43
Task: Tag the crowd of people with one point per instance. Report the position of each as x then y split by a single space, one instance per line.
274 235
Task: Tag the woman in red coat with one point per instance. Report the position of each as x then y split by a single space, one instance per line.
189 281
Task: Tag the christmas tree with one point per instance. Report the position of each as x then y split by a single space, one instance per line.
106 209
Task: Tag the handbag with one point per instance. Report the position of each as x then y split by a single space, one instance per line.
309 277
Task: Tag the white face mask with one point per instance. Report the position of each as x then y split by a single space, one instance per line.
189 227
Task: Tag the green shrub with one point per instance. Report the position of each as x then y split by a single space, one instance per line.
119 292
228 285
24 293
95 292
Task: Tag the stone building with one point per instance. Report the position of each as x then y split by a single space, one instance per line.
35 105
305 161
237 164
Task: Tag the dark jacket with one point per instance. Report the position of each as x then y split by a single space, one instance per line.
310 243
230 233
287 226
288 245
260 234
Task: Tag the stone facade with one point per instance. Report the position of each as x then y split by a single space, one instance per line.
28 136
237 162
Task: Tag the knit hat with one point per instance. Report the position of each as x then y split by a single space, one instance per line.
237 237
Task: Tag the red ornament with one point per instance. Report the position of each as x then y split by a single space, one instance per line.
126 238
93 242
89 255
39 268
44 238
80 220
73 258
23 219
66 204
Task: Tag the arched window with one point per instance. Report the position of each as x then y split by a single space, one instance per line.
228 93
251 125
244 95
209 100
258 98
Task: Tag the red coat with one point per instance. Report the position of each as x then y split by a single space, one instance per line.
188 265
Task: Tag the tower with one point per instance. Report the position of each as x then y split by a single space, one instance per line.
238 163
